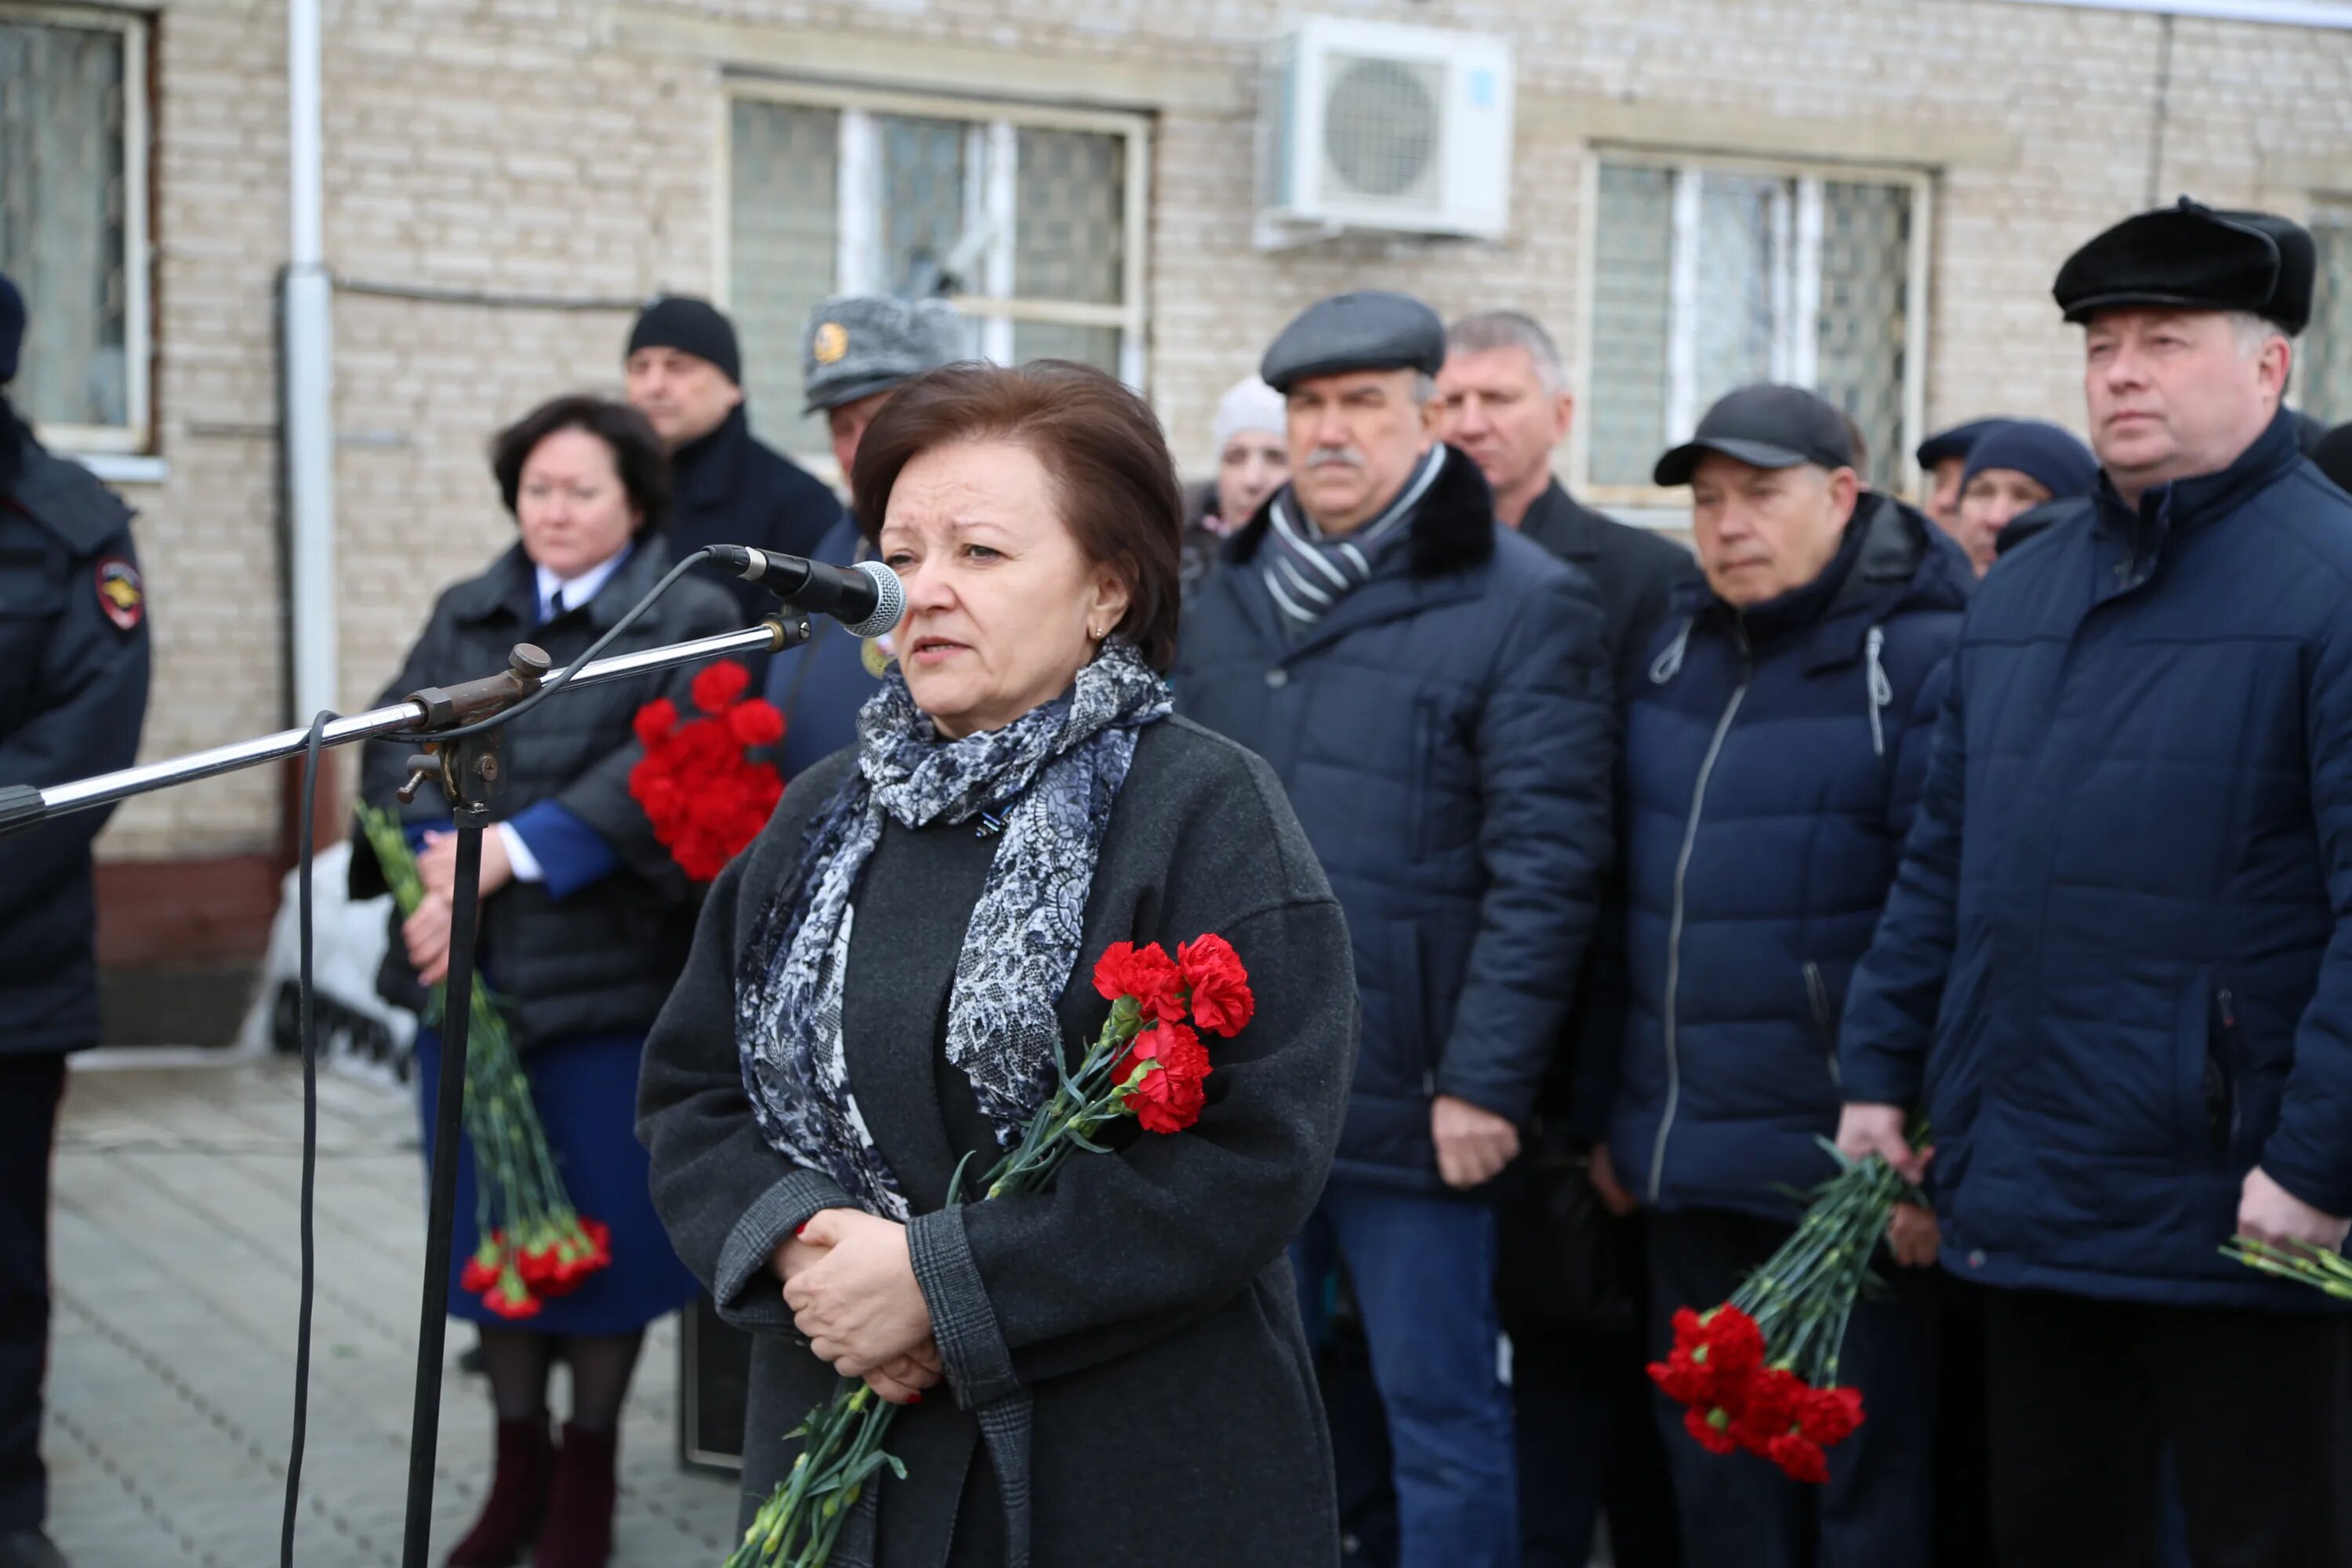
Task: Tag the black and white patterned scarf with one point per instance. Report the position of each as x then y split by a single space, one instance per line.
1052 775
1308 571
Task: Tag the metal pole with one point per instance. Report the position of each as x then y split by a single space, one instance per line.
448 1128
20 806
309 379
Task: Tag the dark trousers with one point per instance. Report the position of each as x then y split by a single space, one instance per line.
1587 1447
1737 1511
29 1089
2084 1396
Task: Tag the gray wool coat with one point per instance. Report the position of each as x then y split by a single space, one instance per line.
1143 1309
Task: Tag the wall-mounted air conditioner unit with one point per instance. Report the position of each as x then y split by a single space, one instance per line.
1365 125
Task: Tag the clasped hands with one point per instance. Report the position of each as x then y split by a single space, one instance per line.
850 1283
426 933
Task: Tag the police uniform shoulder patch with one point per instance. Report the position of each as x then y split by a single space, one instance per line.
120 594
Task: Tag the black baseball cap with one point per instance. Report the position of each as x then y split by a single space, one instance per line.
1766 428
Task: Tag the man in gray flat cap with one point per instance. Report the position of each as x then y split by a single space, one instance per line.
1433 691
854 351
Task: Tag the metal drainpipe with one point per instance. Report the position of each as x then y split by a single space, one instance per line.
310 385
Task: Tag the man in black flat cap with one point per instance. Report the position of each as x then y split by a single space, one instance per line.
1943 457
2115 973
685 376
1433 691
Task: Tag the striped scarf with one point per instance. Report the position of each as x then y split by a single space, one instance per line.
1308 570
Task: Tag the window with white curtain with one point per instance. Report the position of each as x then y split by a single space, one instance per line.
1030 220
73 220
2322 385
1705 277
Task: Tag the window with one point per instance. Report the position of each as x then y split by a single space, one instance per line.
2322 385
1030 220
1706 280
73 220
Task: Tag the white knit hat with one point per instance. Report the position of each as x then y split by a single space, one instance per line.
1251 405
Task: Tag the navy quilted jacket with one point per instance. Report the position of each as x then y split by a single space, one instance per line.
1772 759
1446 735
2117 967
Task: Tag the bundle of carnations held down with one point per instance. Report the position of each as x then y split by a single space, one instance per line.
1759 1371
535 1245
1148 1063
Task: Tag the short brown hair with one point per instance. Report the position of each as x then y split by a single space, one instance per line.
637 455
1099 442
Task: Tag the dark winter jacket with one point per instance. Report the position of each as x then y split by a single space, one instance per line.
734 489
1444 734
1772 760
820 686
73 694
2118 960
564 961
1633 572
1144 1304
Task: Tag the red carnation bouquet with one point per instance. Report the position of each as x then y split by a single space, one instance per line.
1148 1063
704 798
1759 1371
535 1245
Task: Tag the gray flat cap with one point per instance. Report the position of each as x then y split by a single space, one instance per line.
858 344
1371 328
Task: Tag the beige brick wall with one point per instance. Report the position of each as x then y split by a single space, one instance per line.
570 149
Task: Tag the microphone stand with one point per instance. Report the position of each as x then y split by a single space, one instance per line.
471 774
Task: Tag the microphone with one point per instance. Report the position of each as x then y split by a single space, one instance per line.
868 598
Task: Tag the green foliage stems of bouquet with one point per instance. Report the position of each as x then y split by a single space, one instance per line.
534 1245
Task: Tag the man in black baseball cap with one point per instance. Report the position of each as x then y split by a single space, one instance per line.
1773 742
2121 937
1943 457
1778 443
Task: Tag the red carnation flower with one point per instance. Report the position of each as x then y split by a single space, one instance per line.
1828 1416
719 684
481 1271
654 721
1162 1078
1711 1428
1712 1357
1774 1396
756 722
1798 1459
510 1298
1222 1001
1146 973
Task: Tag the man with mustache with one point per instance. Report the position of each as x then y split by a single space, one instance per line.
2115 973
1433 691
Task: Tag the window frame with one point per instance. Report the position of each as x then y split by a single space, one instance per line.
1000 120
1799 348
135 435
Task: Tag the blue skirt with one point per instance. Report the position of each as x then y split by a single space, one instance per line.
586 1093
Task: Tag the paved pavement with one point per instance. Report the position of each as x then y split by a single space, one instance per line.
172 1363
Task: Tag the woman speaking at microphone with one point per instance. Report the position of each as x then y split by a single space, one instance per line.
1110 1370
584 924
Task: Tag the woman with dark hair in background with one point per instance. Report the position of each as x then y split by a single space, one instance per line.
585 922
1126 1380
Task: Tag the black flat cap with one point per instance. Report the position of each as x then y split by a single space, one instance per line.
1764 427
1371 328
2191 256
1955 442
